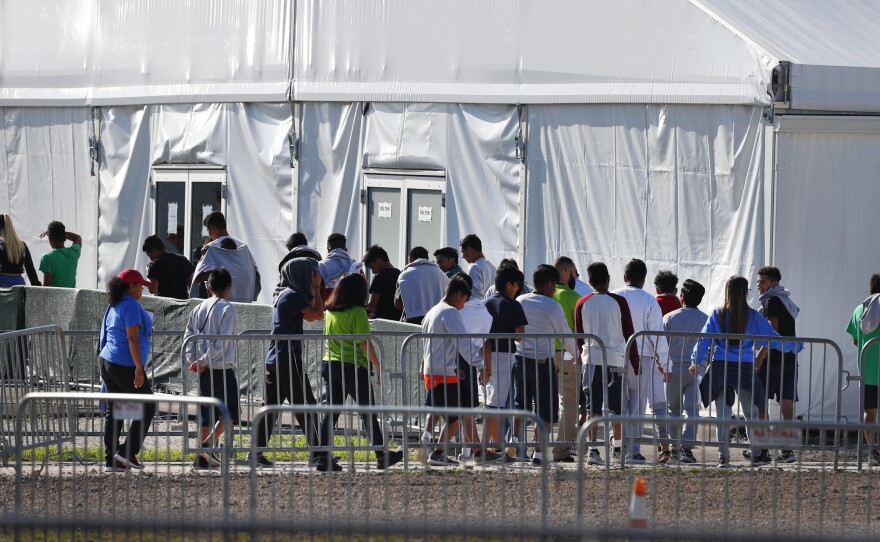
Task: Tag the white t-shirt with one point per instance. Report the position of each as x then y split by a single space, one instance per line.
482 273
646 316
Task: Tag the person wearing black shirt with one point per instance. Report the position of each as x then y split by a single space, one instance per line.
15 258
169 274
381 304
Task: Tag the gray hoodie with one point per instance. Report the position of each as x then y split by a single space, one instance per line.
422 285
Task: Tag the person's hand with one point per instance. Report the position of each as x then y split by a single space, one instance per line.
196 368
139 376
44 234
693 370
204 249
484 376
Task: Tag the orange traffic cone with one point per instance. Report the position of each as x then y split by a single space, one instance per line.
638 506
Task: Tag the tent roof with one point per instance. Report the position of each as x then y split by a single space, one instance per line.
73 52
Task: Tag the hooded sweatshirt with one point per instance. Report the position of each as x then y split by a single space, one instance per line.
292 295
422 285
336 264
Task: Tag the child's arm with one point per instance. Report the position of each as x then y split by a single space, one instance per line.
368 349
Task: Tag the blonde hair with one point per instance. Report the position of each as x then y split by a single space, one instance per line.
14 245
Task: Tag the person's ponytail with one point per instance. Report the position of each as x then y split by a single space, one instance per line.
115 289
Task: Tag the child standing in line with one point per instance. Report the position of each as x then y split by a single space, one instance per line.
214 361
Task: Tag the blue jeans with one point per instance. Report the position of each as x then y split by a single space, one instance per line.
724 412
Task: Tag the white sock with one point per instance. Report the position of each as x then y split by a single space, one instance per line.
514 440
466 452
538 455
426 435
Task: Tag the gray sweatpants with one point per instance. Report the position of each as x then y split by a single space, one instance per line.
682 392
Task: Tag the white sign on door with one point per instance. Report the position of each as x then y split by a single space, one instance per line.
172 218
384 209
425 214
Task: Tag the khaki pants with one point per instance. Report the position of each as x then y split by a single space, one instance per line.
568 373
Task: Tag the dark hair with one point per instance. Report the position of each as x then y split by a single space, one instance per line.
666 281
735 313
228 244
115 289
597 274
471 240
505 275
374 253
350 291
771 273
447 252
456 285
635 271
465 277
563 262
336 240
297 239
219 280
418 253
215 220
153 243
508 262
56 231
692 293
874 283
543 275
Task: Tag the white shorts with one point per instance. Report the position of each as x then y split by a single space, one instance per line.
498 387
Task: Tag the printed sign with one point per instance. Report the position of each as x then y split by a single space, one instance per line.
206 210
384 209
425 214
172 218
782 438
128 411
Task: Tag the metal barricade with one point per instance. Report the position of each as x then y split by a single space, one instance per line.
32 360
819 359
65 485
870 344
810 498
303 380
407 499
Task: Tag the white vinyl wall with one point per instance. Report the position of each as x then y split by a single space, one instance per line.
45 176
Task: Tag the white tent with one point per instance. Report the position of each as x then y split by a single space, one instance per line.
697 135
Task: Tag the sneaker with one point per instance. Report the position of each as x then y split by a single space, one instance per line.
424 442
566 459
262 460
761 459
485 456
439 459
594 458
747 454
210 458
664 457
537 462
723 462
786 456
331 466
874 459
201 463
635 459
615 454
675 454
115 466
393 457
132 463
687 456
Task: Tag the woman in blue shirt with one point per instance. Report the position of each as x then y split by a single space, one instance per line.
125 345
732 362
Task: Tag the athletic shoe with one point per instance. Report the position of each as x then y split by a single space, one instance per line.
210 458
262 460
439 459
132 463
594 458
723 462
687 456
393 457
761 459
874 460
201 463
664 457
747 454
635 459
425 442
566 459
536 462
332 466
786 456
615 455
485 456
116 466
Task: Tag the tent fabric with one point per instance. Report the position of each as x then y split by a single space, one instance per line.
474 144
45 176
827 263
526 51
249 139
680 187
104 52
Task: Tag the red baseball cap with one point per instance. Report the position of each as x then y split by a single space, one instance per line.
133 276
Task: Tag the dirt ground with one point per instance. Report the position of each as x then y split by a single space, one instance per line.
803 500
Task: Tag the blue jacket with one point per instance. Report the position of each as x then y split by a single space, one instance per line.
738 351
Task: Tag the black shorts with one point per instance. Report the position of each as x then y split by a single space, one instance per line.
536 388
220 384
778 373
471 378
595 399
871 397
